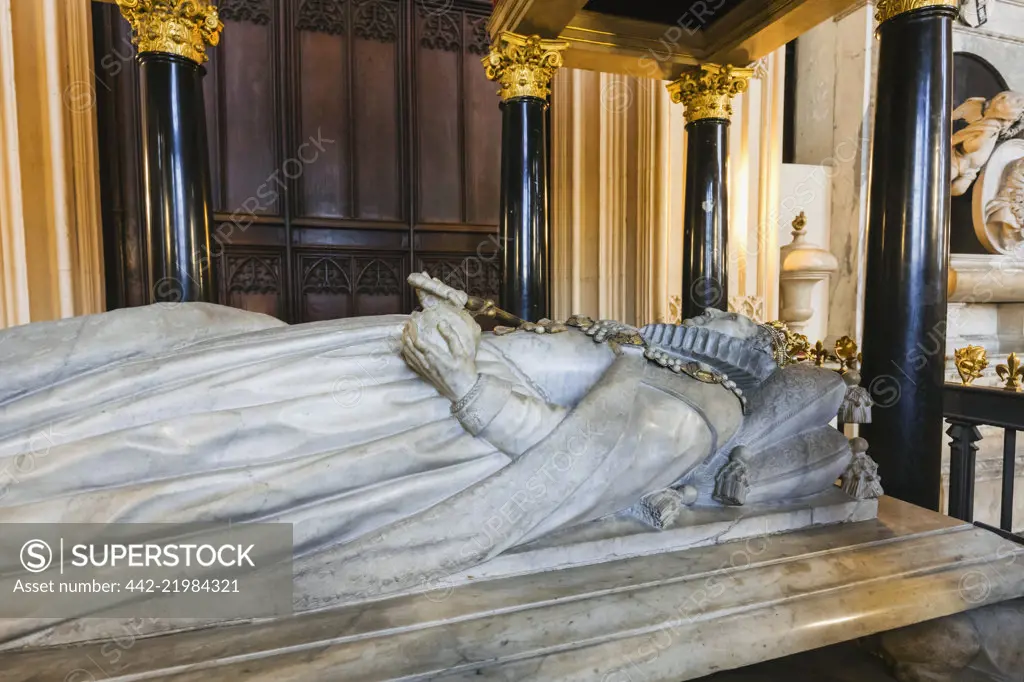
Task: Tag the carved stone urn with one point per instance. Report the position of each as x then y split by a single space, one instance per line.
803 266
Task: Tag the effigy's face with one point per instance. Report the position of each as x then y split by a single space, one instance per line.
729 324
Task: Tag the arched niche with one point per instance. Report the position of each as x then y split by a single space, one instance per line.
973 76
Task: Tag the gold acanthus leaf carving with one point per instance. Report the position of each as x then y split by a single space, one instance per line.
970 363
523 66
180 27
708 91
887 9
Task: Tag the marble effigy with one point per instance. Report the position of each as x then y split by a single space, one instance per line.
409 451
663 617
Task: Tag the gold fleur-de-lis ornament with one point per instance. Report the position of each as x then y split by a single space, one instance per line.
819 353
846 351
1012 373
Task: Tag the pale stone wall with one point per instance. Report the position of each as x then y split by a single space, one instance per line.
836 66
618 164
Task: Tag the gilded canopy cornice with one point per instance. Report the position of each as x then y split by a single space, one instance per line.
708 92
523 66
180 27
887 9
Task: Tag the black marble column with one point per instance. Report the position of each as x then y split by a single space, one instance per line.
907 252
176 178
705 217
525 235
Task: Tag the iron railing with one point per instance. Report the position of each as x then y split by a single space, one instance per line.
966 408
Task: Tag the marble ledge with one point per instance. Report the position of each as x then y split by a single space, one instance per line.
660 618
984 278
623 536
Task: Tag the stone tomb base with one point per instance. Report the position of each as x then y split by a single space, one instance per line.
666 616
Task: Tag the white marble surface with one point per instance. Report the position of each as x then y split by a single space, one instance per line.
661 618
623 536
987 278
997 327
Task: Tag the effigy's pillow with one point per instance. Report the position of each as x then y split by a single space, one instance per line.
792 400
811 460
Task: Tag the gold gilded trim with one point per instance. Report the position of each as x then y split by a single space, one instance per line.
708 92
181 27
887 9
523 66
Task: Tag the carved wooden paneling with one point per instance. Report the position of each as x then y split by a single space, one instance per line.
438 118
476 275
439 29
380 285
247 115
253 281
348 140
323 16
325 287
342 284
255 11
323 94
482 130
377 111
376 20
477 40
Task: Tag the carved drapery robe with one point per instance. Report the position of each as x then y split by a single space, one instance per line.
203 413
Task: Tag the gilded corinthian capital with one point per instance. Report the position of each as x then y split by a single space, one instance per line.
708 92
523 66
181 27
887 9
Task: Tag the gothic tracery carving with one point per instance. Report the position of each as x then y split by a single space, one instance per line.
377 278
325 276
476 276
253 275
253 11
477 41
440 30
376 20
322 16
